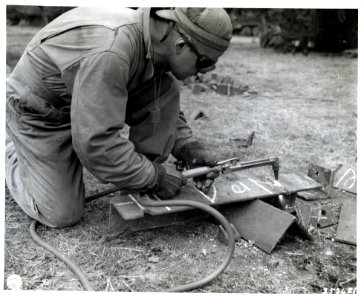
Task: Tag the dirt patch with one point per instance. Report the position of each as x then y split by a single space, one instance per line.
304 111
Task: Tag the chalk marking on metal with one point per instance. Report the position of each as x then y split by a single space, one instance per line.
213 198
352 178
264 188
141 206
136 201
237 190
126 203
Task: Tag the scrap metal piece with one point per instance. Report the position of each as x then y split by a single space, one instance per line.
127 213
118 224
245 142
259 222
346 229
322 175
200 115
244 189
296 183
345 178
126 207
303 211
311 216
198 89
323 216
224 89
312 195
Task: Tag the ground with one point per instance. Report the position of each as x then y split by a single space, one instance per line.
304 110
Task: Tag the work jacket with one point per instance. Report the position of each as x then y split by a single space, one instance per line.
90 59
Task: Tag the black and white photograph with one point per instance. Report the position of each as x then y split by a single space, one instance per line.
167 148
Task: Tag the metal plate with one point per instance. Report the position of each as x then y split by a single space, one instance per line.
324 216
321 174
258 222
126 207
117 224
311 195
242 190
296 183
345 178
346 229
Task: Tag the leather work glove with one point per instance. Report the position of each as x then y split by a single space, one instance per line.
169 181
193 155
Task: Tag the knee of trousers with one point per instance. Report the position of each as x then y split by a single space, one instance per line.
60 213
63 218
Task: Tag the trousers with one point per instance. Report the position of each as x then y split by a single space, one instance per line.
42 170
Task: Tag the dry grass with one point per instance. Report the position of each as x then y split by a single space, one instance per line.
305 111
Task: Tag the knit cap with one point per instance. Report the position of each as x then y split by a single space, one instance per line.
210 29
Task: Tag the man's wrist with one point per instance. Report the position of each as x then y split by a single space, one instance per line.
159 176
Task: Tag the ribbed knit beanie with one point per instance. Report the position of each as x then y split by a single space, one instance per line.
210 28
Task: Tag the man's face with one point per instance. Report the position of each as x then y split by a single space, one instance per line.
183 63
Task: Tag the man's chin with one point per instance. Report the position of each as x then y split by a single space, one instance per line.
181 76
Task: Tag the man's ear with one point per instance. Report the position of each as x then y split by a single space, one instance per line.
179 44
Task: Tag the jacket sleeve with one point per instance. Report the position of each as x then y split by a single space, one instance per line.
98 109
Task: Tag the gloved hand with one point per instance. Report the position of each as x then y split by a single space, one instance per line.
169 181
193 155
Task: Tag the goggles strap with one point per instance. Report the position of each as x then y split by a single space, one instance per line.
168 31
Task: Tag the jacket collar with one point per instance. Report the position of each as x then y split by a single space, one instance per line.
149 68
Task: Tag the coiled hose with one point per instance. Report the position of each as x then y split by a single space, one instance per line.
184 288
72 265
221 219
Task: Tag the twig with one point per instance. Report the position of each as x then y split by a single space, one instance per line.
171 266
290 260
108 284
347 281
294 254
127 285
130 276
130 249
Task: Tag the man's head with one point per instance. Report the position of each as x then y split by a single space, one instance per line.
206 32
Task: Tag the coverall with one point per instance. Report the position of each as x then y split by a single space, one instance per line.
80 80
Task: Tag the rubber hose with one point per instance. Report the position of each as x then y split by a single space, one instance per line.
72 265
101 194
220 218
184 288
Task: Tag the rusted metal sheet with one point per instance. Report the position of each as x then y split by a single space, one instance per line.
117 224
126 207
127 213
245 189
244 142
311 216
345 178
311 195
242 190
322 175
324 216
346 229
258 222
295 183
303 211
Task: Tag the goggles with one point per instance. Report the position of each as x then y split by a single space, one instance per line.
204 64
